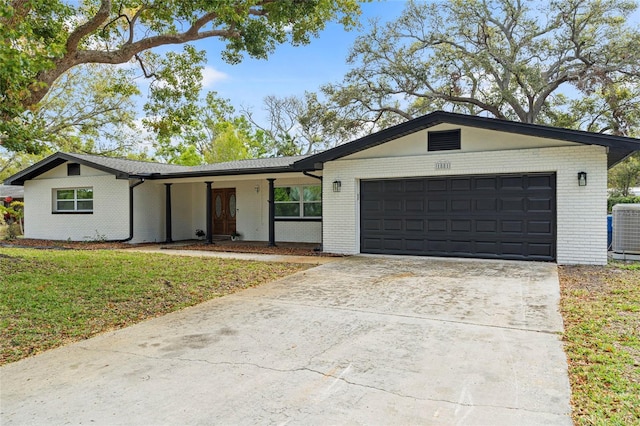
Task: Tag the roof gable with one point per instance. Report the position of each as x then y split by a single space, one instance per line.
618 147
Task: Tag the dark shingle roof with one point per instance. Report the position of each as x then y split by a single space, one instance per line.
265 163
11 191
124 168
130 167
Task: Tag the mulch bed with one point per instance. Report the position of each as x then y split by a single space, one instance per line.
66 245
244 248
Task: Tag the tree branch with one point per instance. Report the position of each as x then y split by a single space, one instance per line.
88 27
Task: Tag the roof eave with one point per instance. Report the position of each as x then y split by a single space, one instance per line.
619 143
228 172
54 161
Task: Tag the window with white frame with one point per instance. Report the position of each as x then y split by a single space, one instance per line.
298 201
73 200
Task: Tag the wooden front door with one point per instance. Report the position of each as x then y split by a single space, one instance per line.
224 211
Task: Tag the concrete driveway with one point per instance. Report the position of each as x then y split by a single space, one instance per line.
363 340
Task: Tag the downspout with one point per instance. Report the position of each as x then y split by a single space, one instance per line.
322 221
140 182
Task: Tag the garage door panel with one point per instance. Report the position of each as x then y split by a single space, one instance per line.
370 245
371 186
461 205
372 225
486 225
512 183
390 206
461 225
484 183
488 204
541 249
542 182
392 225
434 185
414 225
516 204
460 184
540 227
502 216
371 205
512 248
413 205
460 246
414 245
414 185
436 206
487 247
393 243
393 186
511 226
539 205
435 225
437 246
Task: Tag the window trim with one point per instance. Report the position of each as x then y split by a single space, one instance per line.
75 199
301 203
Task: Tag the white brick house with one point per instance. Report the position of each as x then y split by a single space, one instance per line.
443 184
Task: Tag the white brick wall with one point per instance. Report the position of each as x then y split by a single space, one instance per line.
148 212
110 218
581 211
299 232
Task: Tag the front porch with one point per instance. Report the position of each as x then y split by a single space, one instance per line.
221 206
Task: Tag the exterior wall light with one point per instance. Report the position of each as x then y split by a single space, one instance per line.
582 178
337 185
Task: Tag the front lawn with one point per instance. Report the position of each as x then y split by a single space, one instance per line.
52 297
601 311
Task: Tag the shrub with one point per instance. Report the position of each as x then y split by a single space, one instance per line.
621 199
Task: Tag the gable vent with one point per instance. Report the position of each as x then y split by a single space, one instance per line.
73 169
444 141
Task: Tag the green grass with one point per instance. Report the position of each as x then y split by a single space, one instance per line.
52 297
601 310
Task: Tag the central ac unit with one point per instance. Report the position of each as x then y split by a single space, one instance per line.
626 229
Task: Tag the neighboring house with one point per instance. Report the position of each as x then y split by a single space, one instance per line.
9 194
443 184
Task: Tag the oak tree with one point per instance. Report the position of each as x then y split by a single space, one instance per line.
40 40
570 63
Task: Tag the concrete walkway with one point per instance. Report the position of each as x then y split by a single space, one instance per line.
363 340
311 260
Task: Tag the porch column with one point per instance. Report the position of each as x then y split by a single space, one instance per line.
167 187
209 214
272 214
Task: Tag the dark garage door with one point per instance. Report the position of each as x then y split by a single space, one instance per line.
487 216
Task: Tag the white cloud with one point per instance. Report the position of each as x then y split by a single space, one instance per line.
211 76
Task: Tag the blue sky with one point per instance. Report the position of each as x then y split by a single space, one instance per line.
289 70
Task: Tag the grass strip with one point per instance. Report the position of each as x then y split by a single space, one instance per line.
601 311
